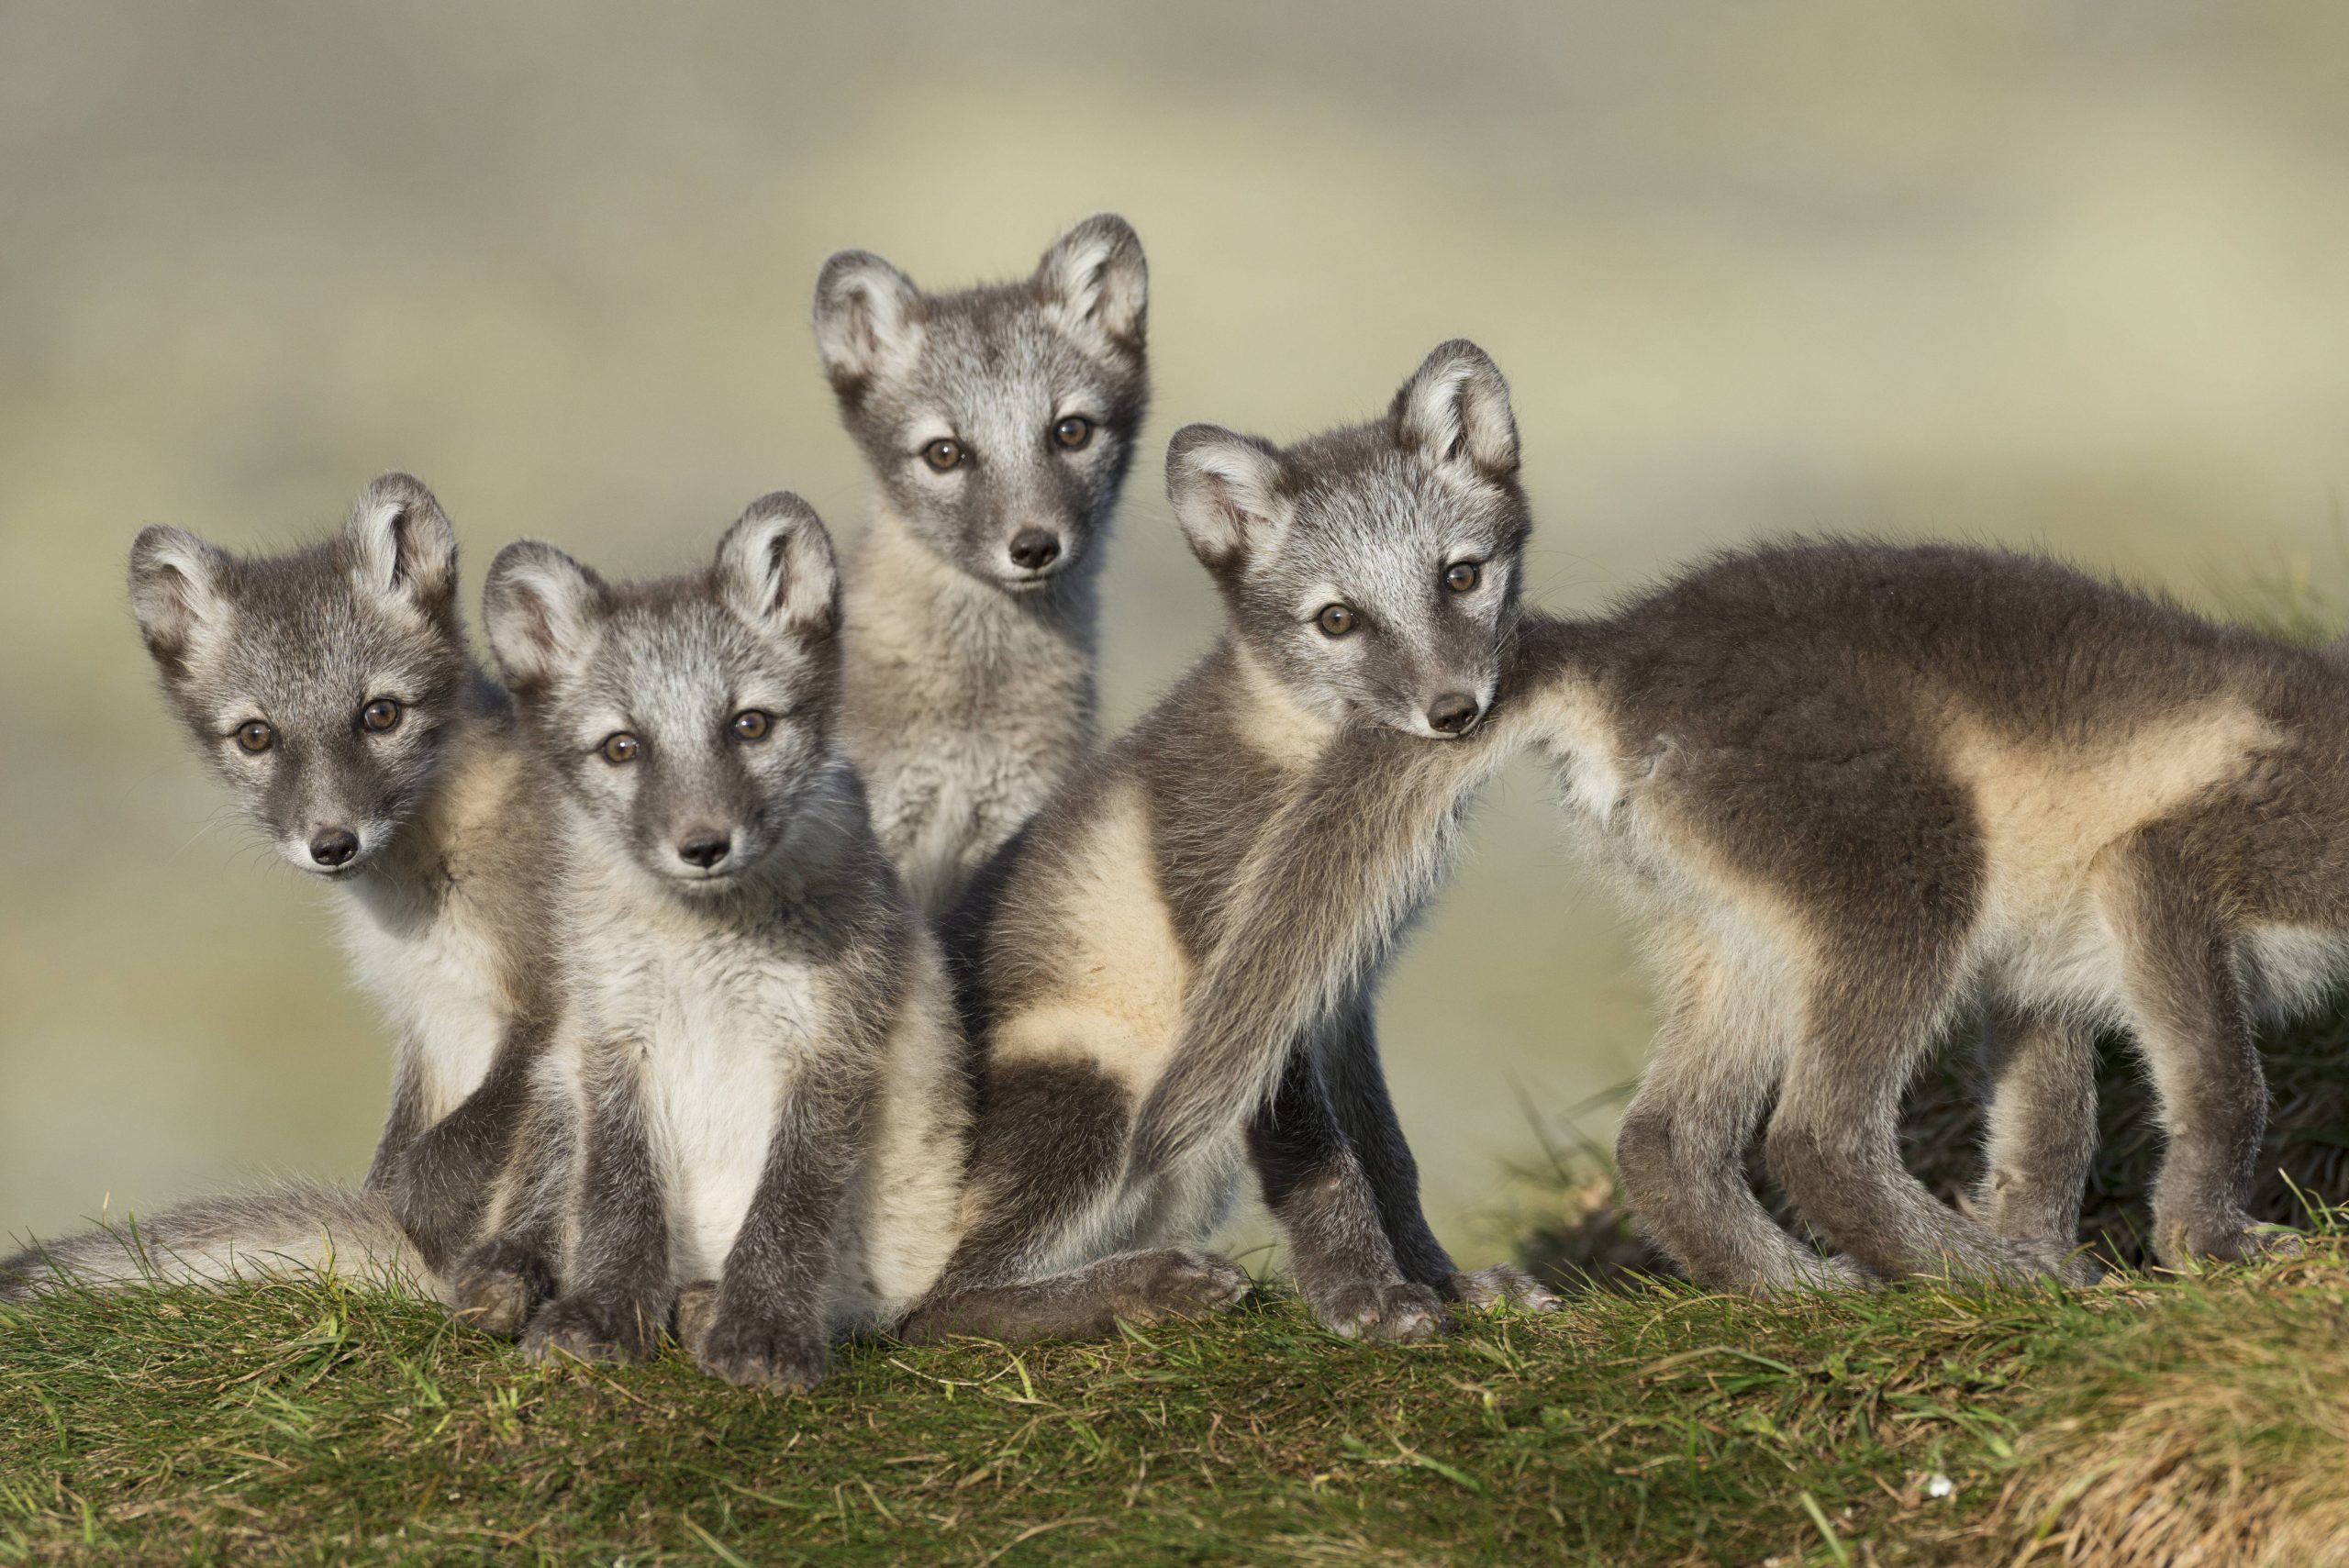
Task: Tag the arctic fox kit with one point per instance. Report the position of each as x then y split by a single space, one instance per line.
998 423
331 692
762 1060
1370 575
1851 790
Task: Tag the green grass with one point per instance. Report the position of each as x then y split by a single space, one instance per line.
311 1421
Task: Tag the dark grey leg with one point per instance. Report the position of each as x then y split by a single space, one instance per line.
2187 1012
1317 1191
1348 1048
616 1296
2041 1135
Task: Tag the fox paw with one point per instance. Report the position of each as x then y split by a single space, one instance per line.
1503 1282
1183 1283
496 1287
595 1329
1397 1312
751 1352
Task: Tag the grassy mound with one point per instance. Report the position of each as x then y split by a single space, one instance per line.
309 1420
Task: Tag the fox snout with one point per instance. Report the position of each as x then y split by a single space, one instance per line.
706 849
1034 549
1454 713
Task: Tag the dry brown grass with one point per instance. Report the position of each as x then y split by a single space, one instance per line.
2214 1434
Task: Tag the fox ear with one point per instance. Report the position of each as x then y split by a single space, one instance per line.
1226 492
1454 410
868 320
775 568
1095 279
542 610
175 591
402 548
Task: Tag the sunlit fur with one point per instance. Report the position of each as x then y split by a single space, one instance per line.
442 907
1080 943
1850 792
970 676
761 1067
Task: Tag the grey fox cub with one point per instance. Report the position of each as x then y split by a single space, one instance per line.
330 690
998 423
1370 574
761 1067
1851 790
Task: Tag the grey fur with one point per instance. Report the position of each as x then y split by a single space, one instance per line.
761 1068
291 1227
1077 946
444 894
971 679
1852 789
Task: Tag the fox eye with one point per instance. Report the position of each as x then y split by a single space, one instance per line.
1462 576
622 747
1335 620
944 453
751 725
1072 432
256 736
382 716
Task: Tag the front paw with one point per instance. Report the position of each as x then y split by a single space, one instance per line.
596 1328
1502 1283
1397 1311
1183 1283
753 1351
497 1286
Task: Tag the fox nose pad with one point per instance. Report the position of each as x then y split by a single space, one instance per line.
1452 713
334 847
705 849
1032 550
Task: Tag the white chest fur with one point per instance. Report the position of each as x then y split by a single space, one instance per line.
435 971
720 1032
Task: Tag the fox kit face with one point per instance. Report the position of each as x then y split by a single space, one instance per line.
317 685
684 717
1373 570
999 421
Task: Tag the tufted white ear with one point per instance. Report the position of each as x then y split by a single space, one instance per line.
868 320
775 568
544 613
176 593
401 547
1226 491
1095 279
1454 410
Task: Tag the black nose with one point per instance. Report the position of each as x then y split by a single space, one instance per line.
1452 713
705 849
1032 550
334 847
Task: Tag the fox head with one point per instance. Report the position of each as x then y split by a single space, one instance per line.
1372 570
998 420
687 718
318 684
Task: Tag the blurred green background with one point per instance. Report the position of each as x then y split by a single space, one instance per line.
2059 273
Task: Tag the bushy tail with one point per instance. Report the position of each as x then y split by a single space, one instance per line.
1324 897
292 1227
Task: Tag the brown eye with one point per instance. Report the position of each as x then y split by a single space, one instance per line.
256 736
1463 575
622 747
944 453
1335 620
751 725
382 716
1074 431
